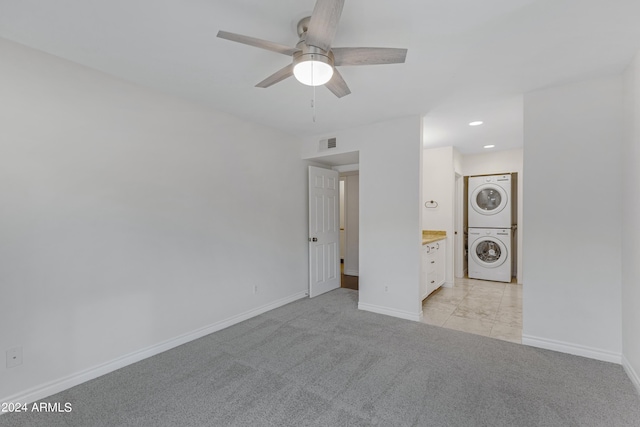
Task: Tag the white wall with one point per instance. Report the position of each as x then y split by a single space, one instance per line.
498 162
572 242
438 184
131 219
493 162
631 224
352 260
458 160
390 223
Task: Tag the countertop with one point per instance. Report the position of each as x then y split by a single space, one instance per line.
430 236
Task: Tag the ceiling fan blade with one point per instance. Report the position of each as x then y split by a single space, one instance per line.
324 23
262 44
276 77
368 55
337 85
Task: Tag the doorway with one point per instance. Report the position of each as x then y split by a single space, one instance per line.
349 229
347 166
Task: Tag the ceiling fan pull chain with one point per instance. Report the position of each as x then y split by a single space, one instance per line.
313 101
313 106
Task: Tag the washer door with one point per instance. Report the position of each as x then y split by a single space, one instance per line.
488 199
489 252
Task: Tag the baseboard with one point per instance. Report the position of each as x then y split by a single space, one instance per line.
390 312
56 386
570 348
351 272
633 375
447 285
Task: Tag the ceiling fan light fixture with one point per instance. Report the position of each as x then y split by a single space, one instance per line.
313 69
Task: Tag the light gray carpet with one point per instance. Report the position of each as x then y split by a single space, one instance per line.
322 362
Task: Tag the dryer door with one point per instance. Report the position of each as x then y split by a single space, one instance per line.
488 199
489 252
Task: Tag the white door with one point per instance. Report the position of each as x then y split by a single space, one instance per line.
324 231
458 227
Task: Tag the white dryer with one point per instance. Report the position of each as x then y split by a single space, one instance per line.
490 201
490 254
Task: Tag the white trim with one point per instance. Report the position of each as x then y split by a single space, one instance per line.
351 272
61 384
447 285
570 348
390 312
633 375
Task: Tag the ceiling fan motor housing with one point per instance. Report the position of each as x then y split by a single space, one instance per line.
312 58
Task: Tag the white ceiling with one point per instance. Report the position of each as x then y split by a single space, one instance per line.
467 60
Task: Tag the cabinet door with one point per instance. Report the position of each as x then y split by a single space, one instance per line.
423 272
432 268
441 262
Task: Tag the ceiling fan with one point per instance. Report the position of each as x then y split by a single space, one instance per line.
314 60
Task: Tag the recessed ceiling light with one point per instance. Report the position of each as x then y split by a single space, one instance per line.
489 146
476 123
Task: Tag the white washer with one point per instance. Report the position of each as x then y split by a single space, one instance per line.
490 254
490 201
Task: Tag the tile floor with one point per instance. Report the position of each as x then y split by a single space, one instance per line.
492 309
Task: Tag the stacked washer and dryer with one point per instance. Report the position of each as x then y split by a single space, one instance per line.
489 227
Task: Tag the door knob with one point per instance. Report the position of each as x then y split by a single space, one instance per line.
314 239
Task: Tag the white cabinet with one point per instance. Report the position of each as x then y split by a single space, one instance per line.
433 267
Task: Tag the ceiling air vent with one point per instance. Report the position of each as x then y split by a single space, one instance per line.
326 144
